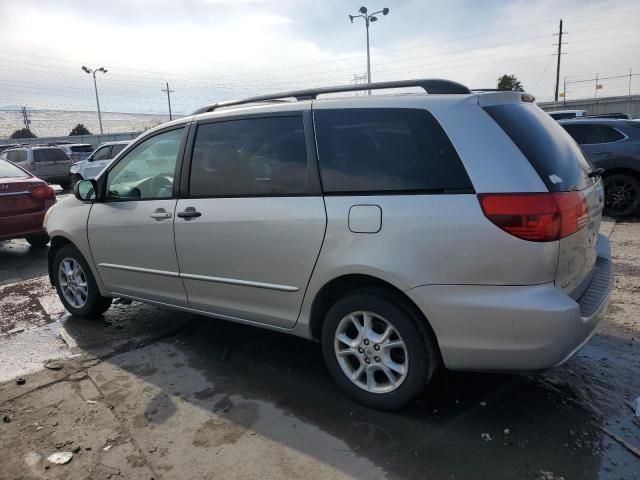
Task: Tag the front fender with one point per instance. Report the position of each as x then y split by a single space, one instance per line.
67 223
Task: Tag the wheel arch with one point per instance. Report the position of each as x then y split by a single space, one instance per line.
57 242
344 284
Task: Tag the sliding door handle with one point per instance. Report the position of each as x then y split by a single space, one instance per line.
188 213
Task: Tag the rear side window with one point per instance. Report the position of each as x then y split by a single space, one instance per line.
82 149
559 161
49 155
386 150
17 156
587 134
249 157
8 170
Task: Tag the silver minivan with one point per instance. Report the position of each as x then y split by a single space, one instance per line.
404 232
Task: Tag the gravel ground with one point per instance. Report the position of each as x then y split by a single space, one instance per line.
151 393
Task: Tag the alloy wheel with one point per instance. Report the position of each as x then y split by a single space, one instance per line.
622 195
371 352
73 282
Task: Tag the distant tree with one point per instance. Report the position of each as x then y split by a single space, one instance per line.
509 82
79 129
23 133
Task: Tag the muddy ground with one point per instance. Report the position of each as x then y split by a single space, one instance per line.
151 393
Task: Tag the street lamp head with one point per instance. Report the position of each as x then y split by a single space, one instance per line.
385 11
373 19
351 17
363 10
86 69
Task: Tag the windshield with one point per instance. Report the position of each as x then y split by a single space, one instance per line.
8 170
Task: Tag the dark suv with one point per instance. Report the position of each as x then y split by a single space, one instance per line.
614 145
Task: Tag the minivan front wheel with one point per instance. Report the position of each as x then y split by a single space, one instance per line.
378 350
76 285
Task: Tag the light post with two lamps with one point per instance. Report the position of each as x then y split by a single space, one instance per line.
368 18
95 85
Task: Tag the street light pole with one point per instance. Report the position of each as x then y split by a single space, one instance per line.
368 18
95 86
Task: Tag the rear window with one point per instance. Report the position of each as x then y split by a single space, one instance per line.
589 133
8 170
386 150
557 159
49 155
82 149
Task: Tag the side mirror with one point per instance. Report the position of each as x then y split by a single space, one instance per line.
85 190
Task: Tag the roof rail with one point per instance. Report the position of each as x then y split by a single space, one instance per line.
429 85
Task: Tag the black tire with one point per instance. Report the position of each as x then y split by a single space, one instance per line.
75 178
422 349
67 185
95 304
37 241
621 195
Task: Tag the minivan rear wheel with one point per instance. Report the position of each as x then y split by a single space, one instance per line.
621 195
76 285
377 349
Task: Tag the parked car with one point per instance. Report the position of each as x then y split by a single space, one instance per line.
51 164
563 114
11 145
613 145
77 151
99 159
403 232
24 199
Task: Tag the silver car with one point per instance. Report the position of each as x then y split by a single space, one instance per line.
96 161
405 233
50 163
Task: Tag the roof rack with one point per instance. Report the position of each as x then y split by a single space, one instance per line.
429 85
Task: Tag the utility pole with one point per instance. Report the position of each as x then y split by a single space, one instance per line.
25 118
564 92
629 97
168 92
560 32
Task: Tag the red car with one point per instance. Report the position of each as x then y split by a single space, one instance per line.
24 199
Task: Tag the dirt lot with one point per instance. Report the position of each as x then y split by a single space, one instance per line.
150 393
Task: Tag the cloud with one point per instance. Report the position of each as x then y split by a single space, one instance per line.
217 49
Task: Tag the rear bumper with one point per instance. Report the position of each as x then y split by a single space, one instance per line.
515 327
19 226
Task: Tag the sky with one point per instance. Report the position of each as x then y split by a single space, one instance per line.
212 50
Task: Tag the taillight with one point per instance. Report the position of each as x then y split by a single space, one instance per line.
537 217
43 192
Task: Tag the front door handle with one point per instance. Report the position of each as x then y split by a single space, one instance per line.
160 214
188 213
